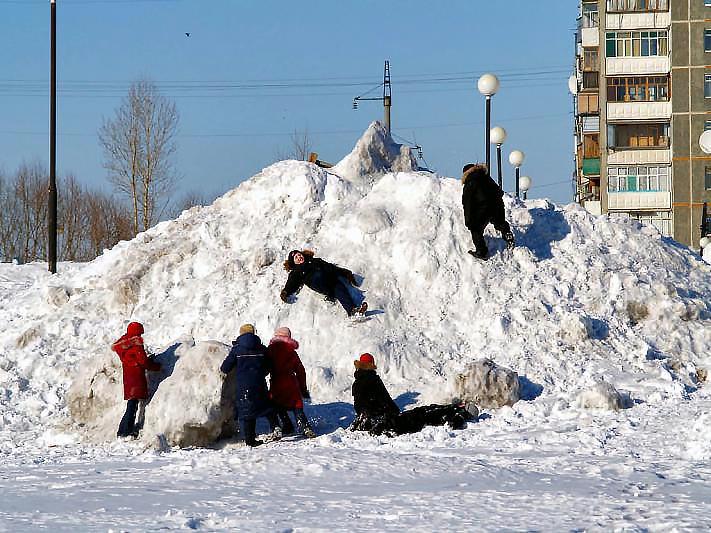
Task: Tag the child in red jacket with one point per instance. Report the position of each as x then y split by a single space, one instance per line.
288 382
135 362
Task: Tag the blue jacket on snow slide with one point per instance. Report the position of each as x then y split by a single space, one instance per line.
248 358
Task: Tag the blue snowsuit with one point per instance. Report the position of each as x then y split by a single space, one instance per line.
248 358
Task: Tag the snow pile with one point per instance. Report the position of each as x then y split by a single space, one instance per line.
375 154
580 298
602 395
488 385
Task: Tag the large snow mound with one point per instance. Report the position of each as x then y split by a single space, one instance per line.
579 300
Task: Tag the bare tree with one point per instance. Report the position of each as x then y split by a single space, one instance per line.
89 221
300 148
138 144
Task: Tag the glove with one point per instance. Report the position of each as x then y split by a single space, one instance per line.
306 395
284 297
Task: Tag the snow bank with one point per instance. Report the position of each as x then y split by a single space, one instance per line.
580 298
602 395
488 385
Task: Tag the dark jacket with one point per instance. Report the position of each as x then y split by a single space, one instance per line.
248 358
317 274
370 397
288 377
135 362
481 196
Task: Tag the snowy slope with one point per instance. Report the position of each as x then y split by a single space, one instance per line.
579 299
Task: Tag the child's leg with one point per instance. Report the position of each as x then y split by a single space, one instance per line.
343 295
126 427
286 425
303 423
249 426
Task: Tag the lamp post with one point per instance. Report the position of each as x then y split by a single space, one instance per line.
488 84
525 184
516 159
497 136
52 207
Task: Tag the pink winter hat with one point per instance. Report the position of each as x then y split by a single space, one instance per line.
283 332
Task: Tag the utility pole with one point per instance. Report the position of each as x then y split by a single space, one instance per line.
387 95
52 214
386 98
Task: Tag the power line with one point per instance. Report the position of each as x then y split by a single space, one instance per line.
547 116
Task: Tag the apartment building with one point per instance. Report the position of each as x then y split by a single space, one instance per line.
642 100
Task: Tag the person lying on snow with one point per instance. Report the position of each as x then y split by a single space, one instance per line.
482 202
248 357
323 277
377 413
288 382
135 362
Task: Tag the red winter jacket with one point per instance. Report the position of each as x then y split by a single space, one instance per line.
288 377
135 363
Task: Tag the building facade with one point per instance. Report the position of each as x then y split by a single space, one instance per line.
642 91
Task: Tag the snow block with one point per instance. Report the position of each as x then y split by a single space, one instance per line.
602 395
194 406
488 385
57 296
126 292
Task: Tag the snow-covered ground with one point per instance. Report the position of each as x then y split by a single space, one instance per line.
581 300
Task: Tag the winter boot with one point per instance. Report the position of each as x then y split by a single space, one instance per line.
509 238
360 310
309 433
274 436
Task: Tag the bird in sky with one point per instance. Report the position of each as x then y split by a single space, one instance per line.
187 34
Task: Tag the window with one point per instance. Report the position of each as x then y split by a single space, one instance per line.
707 178
638 136
591 80
591 16
639 5
638 179
590 60
637 43
707 40
591 146
707 85
638 88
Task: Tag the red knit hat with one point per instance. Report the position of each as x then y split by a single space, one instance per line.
365 362
134 329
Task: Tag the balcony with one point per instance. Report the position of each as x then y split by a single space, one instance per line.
590 37
593 207
637 66
638 6
639 157
639 201
591 167
633 21
591 81
639 111
588 104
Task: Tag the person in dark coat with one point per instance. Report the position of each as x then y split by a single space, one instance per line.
135 362
323 277
248 357
288 382
377 413
483 204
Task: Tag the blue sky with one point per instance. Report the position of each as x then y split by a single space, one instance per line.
304 63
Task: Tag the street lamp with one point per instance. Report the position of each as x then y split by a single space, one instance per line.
525 184
516 159
498 136
488 84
